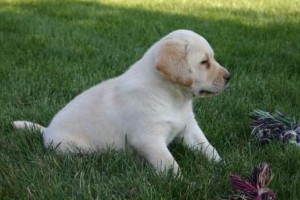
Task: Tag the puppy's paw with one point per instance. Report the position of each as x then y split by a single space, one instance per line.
214 156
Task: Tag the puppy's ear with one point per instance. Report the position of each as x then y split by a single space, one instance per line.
172 62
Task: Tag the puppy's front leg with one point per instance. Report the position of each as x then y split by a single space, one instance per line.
194 138
154 149
159 156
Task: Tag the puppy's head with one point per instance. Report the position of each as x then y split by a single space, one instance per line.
185 58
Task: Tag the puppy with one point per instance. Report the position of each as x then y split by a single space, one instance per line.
146 107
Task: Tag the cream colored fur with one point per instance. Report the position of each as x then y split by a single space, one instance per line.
146 107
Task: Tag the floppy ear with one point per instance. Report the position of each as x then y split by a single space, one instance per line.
172 62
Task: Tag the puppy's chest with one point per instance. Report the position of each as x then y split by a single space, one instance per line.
177 123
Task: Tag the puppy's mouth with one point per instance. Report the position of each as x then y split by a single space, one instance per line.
206 93
209 91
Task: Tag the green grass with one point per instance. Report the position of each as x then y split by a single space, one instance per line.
52 50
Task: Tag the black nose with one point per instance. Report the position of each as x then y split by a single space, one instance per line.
227 77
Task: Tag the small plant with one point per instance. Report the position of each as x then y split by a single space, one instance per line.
276 126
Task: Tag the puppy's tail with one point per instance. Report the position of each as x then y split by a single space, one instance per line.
28 125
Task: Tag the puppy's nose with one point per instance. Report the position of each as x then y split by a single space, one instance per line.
227 77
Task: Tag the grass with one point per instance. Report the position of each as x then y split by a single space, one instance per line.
52 50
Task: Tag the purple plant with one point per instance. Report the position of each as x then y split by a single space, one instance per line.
274 126
253 187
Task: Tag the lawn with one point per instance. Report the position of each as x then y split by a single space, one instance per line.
52 50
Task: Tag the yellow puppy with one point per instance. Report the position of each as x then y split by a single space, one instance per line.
148 106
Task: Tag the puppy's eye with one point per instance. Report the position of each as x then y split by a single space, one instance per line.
204 62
